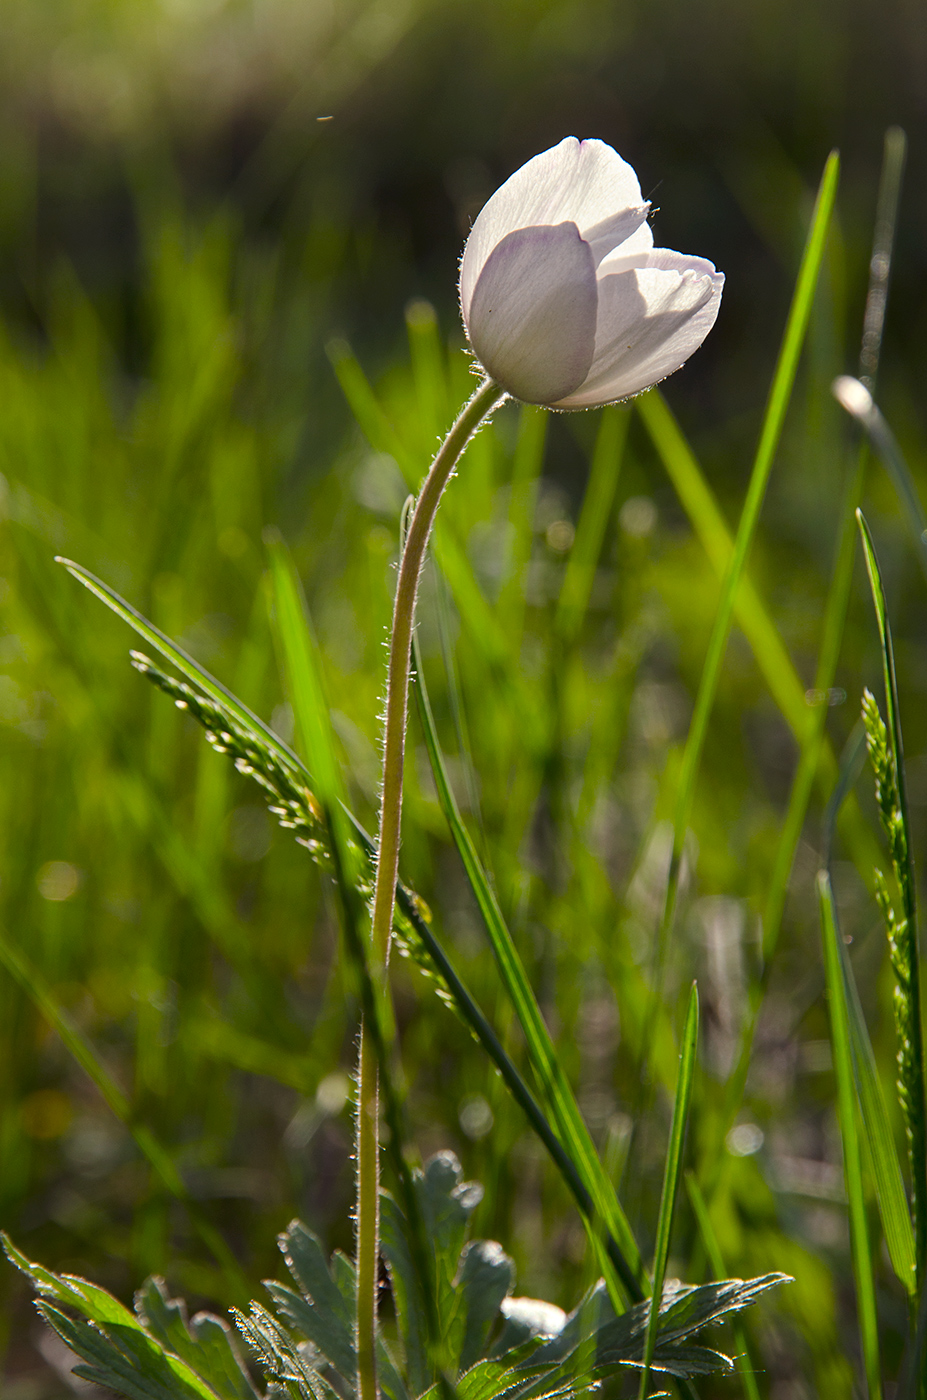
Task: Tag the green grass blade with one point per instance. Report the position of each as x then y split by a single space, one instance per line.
671 1175
852 1157
699 503
908 990
301 665
852 761
526 470
776 666
886 1164
770 433
184 663
593 520
556 1093
773 422
838 595
719 1269
408 901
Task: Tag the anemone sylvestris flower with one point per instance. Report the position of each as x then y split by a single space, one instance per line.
565 299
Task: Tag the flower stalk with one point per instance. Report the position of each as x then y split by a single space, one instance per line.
486 398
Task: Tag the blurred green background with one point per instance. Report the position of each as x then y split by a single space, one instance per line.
202 205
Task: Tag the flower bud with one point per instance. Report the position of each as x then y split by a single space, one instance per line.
565 300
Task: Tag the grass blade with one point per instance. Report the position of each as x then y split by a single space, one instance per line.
719 1269
886 1165
555 1089
903 937
773 421
671 1178
778 670
593 520
838 596
852 1163
407 900
184 663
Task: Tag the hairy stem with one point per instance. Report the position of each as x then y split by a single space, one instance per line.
487 397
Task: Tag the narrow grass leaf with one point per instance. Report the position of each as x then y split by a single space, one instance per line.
838 595
886 1164
184 663
771 431
716 1260
852 1157
671 1175
593 520
903 937
555 1089
408 902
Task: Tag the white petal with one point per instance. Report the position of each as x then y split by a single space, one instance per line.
532 320
652 316
585 182
636 247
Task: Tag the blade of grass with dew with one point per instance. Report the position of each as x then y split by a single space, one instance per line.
671 1175
852 1160
593 520
160 1160
716 1260
556 1093
908 998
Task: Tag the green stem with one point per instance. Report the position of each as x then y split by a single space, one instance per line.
487 397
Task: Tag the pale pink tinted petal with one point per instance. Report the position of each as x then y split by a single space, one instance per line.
585 182
651 318
532 315
637 247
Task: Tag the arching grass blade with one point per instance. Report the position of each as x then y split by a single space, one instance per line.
556 1093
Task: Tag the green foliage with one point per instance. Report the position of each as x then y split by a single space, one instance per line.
492 1344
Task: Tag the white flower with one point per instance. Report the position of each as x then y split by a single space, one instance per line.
565 300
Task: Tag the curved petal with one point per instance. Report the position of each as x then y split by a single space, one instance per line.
583 182
652 316
635 249
532 321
